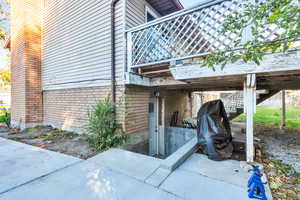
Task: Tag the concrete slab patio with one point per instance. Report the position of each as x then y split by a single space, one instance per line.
87 181
115 175
21 163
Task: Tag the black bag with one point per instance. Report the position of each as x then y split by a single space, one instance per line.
214 132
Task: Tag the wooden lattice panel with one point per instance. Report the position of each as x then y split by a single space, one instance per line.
233 101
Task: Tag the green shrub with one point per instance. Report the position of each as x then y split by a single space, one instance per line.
5 117
103 128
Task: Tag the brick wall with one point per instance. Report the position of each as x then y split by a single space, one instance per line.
67 109
137 101
26 62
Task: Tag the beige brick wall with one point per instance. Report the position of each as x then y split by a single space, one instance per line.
26 62
137 102
67 109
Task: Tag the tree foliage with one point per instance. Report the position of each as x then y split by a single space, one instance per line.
285 14
5 74
4 17
5 77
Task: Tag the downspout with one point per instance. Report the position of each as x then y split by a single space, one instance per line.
113 50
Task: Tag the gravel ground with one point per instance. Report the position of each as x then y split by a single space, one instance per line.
281 160
282 145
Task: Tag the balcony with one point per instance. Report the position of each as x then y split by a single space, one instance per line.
188 36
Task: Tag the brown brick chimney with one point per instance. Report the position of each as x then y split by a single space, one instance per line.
27 99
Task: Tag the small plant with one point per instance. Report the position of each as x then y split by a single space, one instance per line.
5 117
104 130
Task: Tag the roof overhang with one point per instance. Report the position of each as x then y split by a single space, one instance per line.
165 7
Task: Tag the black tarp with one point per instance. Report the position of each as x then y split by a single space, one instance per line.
214 132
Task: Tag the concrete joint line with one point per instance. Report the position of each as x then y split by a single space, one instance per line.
37 178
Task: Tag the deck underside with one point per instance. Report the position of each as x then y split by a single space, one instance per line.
288 80
277 71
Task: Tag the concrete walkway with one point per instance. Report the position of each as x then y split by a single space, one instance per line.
31 173
21 163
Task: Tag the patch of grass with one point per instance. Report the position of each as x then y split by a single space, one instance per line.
271 116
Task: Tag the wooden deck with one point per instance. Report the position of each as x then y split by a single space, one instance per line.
187 37
277 71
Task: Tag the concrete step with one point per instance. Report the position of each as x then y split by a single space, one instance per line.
132 164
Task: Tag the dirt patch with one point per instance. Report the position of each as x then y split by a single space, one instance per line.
53 139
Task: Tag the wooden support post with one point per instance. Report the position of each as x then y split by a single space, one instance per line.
129 51
283 110
190 104
162 135
157 127
250 107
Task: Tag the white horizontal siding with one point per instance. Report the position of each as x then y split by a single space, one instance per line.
135 13
77 43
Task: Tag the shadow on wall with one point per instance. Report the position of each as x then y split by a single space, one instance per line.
177 101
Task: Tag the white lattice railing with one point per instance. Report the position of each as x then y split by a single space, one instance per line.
185 34
233 101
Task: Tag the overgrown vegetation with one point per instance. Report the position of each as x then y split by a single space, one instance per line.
104 130
253 19
271 116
